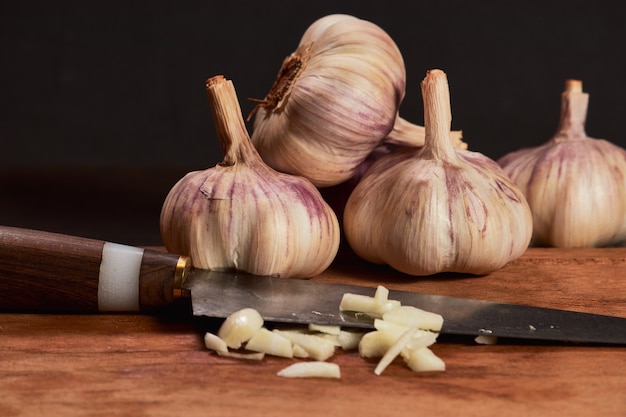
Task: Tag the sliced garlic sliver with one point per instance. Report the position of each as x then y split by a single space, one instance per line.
410 316
213 342
328 329
394 351
375 344
270 343
423 360
349 340
367 305
317 347
313 369
256 356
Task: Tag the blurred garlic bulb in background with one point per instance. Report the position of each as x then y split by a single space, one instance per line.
437 208
243 215
335 99
575 185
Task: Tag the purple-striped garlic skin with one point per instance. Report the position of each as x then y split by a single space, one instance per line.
575 185
336 98
438 208
427 216
242 215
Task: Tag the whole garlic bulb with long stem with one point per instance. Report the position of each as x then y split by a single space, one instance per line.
335 99
575 184
243 215
437 209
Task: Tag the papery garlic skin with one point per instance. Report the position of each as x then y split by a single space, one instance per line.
339 105
437 209
242 215
574 184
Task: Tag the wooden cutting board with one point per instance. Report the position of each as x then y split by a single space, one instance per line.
135 365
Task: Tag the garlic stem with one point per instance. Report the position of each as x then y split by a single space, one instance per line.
574 105
437 116
228 119
405 133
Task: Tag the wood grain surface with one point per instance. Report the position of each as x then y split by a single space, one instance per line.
157 365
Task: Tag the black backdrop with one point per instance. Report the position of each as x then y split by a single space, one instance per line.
117 85
122 82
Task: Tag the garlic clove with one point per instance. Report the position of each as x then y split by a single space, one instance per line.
239 327
243 215
574 184
438 208
335 99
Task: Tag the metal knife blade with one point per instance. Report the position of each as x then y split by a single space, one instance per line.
218 294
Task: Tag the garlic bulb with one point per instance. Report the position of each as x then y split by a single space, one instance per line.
335 99
575 184
243 215
437 208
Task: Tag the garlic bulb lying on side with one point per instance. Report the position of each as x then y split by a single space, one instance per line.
242 214
575 185
335 99
437 209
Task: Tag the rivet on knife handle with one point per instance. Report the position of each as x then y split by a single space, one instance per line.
43 271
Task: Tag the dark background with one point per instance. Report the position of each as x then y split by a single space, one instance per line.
102 104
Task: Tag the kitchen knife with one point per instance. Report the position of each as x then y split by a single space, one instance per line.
49 272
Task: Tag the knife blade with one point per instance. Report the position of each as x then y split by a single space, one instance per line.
305 301
50 272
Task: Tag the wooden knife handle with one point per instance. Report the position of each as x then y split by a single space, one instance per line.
43 271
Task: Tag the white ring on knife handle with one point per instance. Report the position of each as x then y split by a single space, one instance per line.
118 284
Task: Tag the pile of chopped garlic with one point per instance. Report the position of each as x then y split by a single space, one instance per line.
400 331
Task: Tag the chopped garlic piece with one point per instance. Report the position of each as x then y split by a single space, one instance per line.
394 350
299 352
271 343
334 338
381 295
317 347
410 316
389 327
257 356
349 340
422 338
376 343
423 360
324 328
366 304
239 327
313 369
213 342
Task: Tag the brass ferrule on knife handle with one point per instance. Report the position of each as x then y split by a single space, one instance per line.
183 268
43 271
